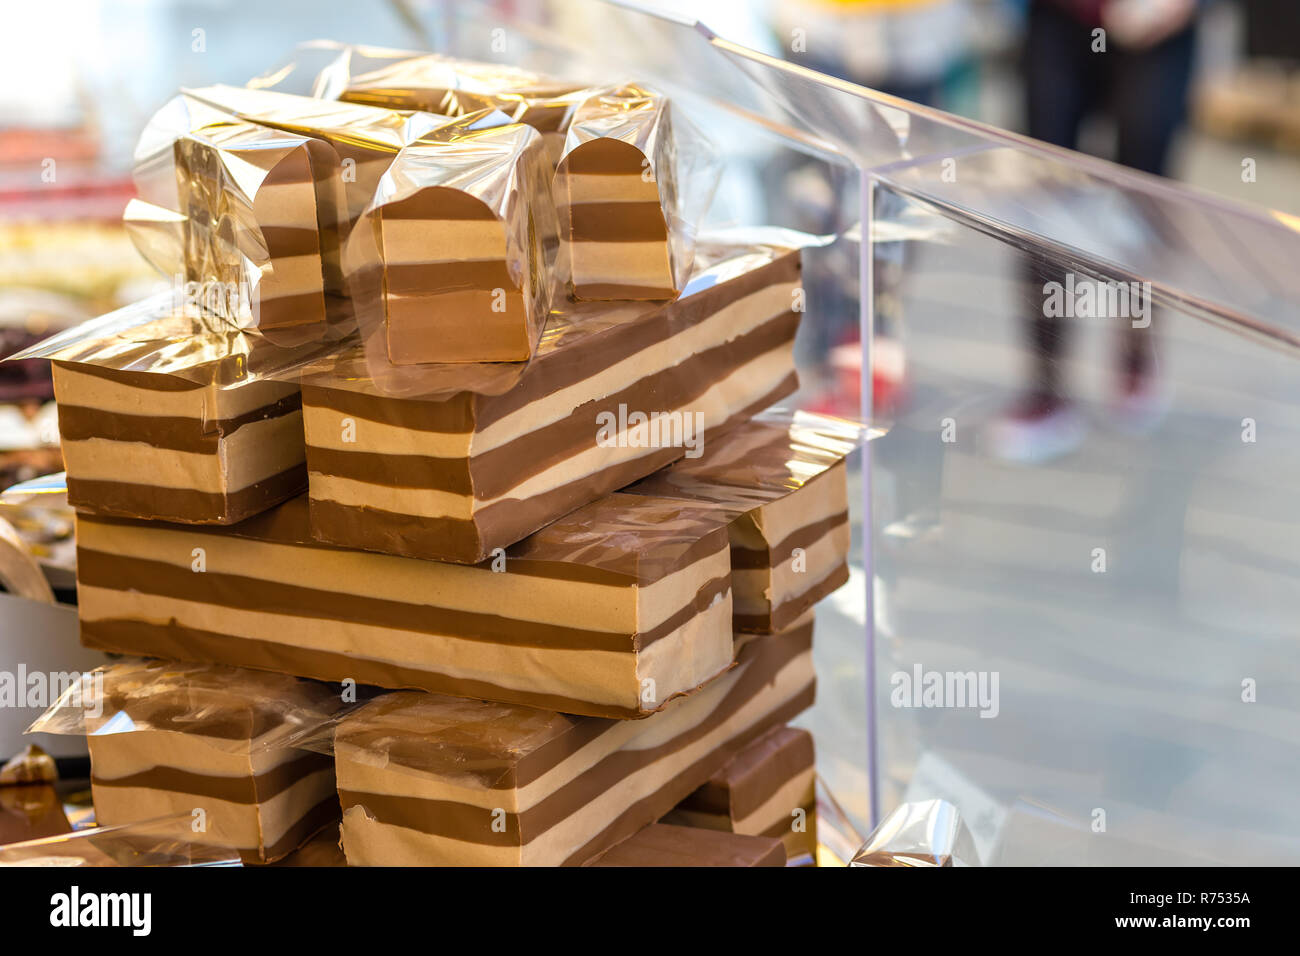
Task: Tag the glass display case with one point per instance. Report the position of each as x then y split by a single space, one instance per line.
1071 612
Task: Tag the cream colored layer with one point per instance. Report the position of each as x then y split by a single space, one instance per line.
599 677
825 495
423 583
795 793
758 589
118 755
327 428
735 391
289 205
367 842
689 656
202 404
241 826
291 275
604 187
569 835
621 263
728 323
419 241
253 453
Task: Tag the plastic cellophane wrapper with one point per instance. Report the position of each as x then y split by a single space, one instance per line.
783 450
242 218
474 742
634 181
167 335
927 833
406 80
148 843
229 707
453 261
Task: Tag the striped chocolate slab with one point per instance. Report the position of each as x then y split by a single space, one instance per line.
454 474
174 740
768 789
783 484
430 780
613 611
159 446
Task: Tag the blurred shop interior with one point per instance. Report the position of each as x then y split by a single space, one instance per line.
1194 82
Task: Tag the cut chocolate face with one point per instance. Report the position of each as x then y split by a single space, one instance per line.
768 789
201 437
782 480
210 746
467 239
613 393
432 780
616 189
662 845
613 611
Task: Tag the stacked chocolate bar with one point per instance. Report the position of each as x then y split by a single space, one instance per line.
583 581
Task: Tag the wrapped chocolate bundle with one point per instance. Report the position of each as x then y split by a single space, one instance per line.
926 833
207 746
431 780
366 140
453 260
768 789
451 462
243 218
169 412
781 478
623 228
612 611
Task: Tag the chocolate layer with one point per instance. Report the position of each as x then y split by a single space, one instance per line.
661 845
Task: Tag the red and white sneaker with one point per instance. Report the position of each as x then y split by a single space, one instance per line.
1038 427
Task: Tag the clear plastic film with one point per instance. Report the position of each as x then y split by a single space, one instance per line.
230 708
148 843
164 335
243 219
475 743
634 180
774 454
404 80
453 260
928 833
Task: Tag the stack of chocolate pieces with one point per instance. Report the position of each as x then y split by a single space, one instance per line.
584 582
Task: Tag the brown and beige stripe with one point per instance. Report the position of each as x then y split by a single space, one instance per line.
454 476
431 780
613 611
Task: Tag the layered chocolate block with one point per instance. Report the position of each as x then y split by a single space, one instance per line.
782 480
463 239
768 789
257 203
481 457
614 610
616 191
662 845
434 780
168 415
208 747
